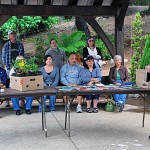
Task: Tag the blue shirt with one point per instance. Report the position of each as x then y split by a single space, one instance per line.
86 75
70 74
6 53
52 78
3 76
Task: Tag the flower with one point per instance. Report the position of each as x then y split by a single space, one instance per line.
26 67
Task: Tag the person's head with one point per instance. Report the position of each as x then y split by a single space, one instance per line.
72 59
20 58
12 35
48 59
90 42
53 43
117 60
89 62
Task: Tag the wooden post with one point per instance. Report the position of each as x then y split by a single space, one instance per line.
0 48
119 41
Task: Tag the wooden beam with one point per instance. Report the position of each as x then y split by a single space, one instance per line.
121 12
107 2
51 10
3 19
93 23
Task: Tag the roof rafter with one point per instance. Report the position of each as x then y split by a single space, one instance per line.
52 10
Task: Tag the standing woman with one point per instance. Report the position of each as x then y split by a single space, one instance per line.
91 49
90 75
50 78
117 75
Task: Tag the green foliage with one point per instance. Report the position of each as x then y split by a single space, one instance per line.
70 43
138 45
105 53
27 25
25 66
145 61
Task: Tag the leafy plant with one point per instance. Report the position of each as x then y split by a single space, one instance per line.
145 61
138 44
26 67
27 25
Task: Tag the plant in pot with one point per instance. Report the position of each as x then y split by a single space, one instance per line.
25 67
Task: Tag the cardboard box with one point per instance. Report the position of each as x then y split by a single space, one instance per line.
141 78
26 83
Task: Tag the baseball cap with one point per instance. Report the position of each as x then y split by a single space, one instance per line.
89 57
11 31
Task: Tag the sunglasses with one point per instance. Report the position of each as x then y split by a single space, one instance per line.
91 41
13 33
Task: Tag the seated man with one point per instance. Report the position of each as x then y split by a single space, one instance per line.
69 76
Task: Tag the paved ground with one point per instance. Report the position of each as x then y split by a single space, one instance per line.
101 131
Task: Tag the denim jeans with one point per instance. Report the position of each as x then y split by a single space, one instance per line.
15 102
52 100
120 98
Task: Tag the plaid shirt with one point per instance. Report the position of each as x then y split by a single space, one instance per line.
6 53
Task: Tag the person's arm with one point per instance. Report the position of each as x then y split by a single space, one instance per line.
21 48
64 58
83 76
85 53
4 55
99 54
63 76
111 76
3 79
55 83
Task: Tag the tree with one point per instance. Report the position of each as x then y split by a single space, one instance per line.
138 45
145 61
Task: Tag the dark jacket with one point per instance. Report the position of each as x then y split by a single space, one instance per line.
85 52
123 73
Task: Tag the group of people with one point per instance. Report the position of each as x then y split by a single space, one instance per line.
58 71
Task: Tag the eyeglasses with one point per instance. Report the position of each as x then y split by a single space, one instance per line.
91 41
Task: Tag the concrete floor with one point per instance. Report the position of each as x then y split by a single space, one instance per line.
101 131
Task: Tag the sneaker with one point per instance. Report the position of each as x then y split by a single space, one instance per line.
79 109
120 107
18 112
28 112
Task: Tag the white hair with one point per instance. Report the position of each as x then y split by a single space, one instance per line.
116 57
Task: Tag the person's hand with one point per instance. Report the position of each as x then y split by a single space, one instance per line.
90 83
72 85
117 84
94 56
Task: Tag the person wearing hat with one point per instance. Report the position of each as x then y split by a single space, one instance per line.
10 51
90 75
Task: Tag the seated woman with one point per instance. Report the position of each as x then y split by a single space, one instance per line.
117 75
90 75
50 78
15 100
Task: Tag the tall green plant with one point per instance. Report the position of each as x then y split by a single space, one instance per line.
70 43
145 61
137 46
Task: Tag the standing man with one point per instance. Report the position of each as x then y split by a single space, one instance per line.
10 51
69 76
58 55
